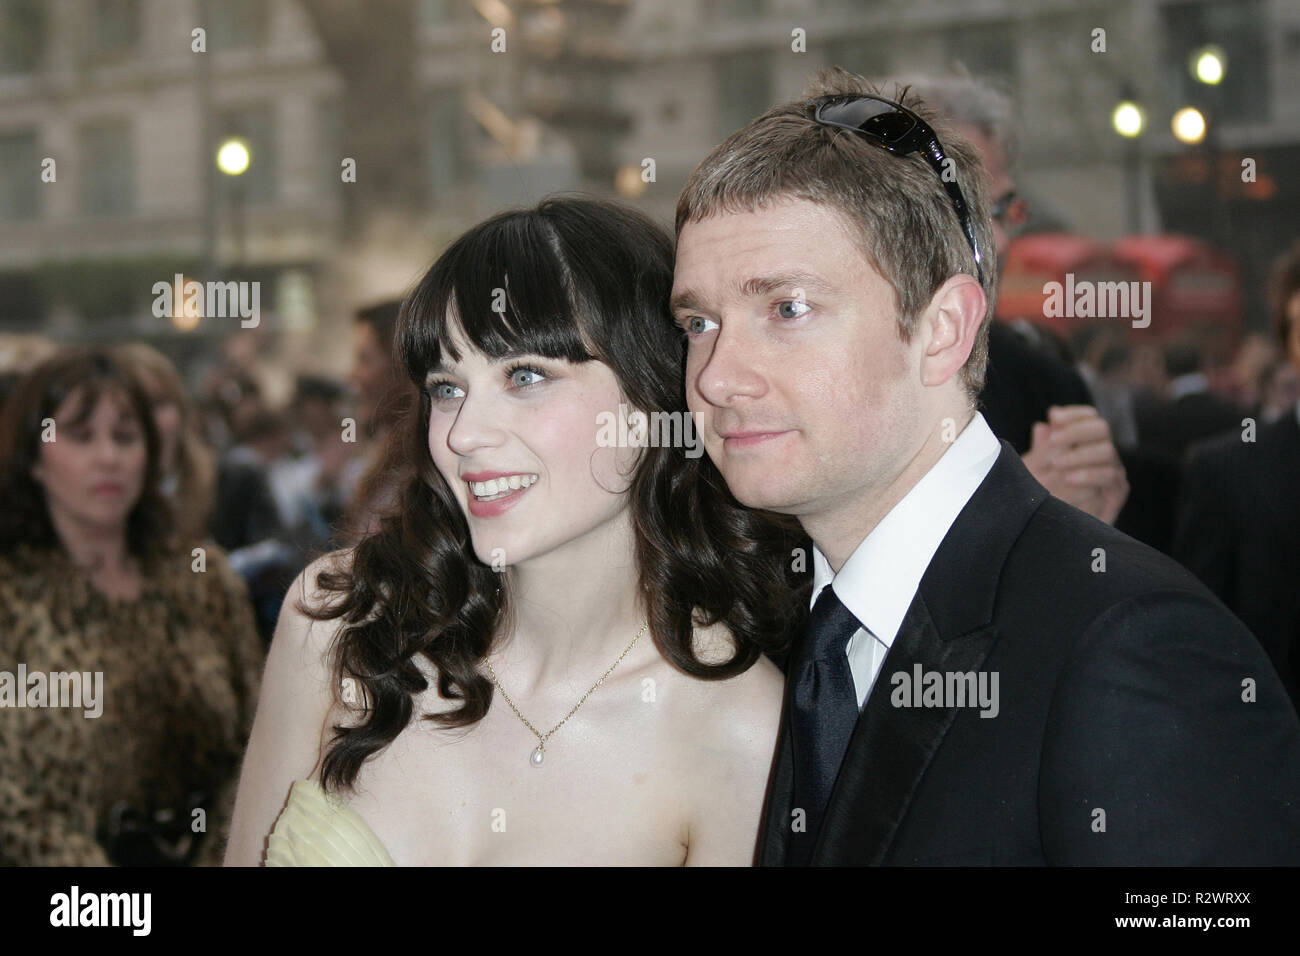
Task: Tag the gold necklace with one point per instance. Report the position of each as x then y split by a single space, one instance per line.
538 755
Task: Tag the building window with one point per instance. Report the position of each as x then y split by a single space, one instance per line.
256 127
744 85
329 142
237 24
1239 30
987 50
732 10
446 139
23 27
114 29
20 172
107 169
870 58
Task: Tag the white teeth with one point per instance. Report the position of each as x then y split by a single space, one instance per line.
497 487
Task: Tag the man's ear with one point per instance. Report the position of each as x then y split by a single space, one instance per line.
949 326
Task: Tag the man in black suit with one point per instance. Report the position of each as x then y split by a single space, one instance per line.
1189 412
988 675
1239 519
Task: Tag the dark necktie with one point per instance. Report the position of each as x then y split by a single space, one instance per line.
824 710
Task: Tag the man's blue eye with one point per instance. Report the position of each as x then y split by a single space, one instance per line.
798 307
698 325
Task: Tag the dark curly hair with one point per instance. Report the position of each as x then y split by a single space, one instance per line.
589 280
90 372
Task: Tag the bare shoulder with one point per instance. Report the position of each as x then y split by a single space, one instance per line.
298 695
741 712
734 729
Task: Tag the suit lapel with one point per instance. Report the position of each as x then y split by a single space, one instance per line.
948 627
891 747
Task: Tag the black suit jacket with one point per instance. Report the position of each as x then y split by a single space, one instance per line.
1021 383
1120 705
1239 532
1174 426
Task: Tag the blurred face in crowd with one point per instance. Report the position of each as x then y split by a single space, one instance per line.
999 177
318 416
808 400
1293 336
372 372
93 471
516 441
167 419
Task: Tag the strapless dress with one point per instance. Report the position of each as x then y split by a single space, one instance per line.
316 828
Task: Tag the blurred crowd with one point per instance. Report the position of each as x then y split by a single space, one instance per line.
151 533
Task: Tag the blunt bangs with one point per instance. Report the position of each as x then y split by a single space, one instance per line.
504 288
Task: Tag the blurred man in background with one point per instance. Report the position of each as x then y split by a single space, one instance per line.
1239 521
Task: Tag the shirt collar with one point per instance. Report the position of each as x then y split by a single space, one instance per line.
1193 383
880 578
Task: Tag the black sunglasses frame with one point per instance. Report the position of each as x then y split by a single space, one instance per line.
902 133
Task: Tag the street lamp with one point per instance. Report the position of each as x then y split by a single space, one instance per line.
1208 64
1128 119
1189 125
233 158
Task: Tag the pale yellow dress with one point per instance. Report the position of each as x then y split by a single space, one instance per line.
317 829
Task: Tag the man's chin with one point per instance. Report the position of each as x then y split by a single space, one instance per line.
763 496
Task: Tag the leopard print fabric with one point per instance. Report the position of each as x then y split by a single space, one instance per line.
181 667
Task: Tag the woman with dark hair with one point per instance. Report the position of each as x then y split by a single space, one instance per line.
135 660
580 584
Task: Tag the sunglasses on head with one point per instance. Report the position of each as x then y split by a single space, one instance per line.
895 128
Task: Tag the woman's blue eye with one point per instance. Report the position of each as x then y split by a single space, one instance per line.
698 325
522 377
798 305
443 391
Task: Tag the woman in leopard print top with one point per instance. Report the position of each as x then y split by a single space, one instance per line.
169 628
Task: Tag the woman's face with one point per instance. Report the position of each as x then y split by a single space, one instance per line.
93 470
516 440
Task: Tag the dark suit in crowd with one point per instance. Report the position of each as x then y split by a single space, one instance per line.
1174 426
1239 532
1121 735
1024 380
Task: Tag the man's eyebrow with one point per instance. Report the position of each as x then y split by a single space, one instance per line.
780 282
783 282
685 301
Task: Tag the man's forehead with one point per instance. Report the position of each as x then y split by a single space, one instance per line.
798 246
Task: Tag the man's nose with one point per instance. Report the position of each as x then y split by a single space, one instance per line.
727 367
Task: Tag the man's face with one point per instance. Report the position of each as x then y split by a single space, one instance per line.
806 396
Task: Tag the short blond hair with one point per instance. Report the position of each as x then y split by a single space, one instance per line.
897 206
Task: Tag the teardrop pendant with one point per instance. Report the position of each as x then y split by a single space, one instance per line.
538 756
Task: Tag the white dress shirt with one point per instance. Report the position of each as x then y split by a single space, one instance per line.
881 577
